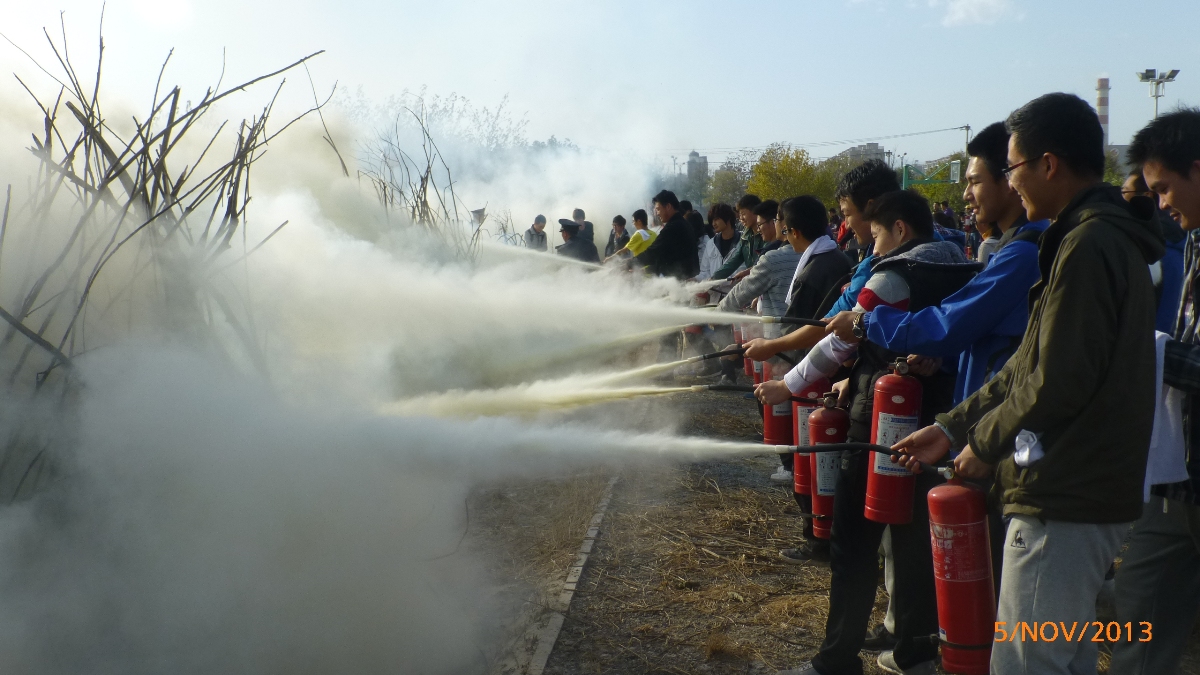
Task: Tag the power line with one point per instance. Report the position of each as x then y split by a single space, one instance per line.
820 143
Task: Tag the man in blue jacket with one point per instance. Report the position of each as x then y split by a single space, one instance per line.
982 323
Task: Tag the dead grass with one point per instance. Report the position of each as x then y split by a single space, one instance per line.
690 577
534 527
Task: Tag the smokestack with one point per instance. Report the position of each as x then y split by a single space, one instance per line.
1102 106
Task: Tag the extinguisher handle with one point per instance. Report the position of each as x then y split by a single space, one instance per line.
884 450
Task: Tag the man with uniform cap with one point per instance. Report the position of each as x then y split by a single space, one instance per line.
576 246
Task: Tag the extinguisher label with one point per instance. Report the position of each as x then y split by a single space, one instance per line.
960 552
828 464
758 367
891 429
782 409
802 427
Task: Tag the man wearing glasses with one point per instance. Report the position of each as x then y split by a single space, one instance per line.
1066 424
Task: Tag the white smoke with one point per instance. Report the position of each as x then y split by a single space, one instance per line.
202 516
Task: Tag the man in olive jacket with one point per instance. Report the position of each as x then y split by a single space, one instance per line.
1066 423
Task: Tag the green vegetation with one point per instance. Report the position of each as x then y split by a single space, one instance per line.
783 171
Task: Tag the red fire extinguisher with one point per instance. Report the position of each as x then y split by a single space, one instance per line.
897 411
962 570
777 419
800 412
826 424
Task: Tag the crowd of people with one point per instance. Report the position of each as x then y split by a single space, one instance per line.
1053 328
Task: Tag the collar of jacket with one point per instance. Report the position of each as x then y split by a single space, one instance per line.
1100 200
924 252
772 246
1013 231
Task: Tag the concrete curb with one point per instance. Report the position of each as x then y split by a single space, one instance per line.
546 635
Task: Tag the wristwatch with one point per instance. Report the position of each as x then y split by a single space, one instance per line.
859 330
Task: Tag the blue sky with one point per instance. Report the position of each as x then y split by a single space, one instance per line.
658 77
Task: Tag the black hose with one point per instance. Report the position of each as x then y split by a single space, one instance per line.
749 389
736 351
793 321
881 449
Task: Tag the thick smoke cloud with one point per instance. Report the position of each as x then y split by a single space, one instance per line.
204 513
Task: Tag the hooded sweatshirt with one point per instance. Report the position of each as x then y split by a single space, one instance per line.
1083 378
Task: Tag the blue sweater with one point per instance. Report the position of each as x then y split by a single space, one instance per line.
1171 288
850 296
981 324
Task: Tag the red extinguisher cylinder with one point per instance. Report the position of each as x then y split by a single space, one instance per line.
825 425
777 419
897 411
801 474
962 570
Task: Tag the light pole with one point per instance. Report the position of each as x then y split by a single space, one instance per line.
1158 83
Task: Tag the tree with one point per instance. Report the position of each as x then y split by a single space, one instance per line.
782 172
946 192
1114 173
729 182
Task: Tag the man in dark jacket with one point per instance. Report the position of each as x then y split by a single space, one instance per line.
617 238
803 224
1159 578
1066 424
674 252
575 245
586 229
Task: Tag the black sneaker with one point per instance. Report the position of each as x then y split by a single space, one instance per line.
808 551
879 640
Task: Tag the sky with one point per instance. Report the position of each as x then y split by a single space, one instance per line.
658 78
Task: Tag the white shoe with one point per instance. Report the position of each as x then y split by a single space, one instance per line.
888 663
782 475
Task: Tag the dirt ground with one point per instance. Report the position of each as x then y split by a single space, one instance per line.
686 575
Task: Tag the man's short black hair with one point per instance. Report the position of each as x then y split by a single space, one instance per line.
866 182
1139 181
768 209
990 146
806 215
666 197
722 211
640 216
1173 140
539 220
904 205
748 202
685 206
1063 125
578 213
619 220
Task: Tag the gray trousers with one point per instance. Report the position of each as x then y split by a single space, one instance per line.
1052 572
1159 582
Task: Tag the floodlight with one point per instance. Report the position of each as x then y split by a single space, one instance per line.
1170 77
1147 75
